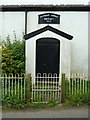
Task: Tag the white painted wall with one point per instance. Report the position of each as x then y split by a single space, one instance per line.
1 23
12 21
75 24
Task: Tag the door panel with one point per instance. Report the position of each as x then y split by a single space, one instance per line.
47 55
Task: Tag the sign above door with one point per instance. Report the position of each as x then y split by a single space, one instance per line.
49 18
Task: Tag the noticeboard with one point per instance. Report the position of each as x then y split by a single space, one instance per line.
49 18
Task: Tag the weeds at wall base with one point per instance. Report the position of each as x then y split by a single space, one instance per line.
15 103
77 100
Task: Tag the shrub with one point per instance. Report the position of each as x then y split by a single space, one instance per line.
13 55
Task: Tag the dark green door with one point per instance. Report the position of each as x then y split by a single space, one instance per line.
47 55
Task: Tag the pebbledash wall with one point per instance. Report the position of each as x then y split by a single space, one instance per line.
73 53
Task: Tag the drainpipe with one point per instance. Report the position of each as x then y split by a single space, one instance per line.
25 22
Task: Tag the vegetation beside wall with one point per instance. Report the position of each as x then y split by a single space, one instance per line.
13 55
16 103
75 93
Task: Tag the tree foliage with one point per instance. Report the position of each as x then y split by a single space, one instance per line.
13 55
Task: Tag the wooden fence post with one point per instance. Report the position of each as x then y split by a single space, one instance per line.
29 88
63 88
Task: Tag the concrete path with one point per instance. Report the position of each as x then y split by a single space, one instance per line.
66 112
0 112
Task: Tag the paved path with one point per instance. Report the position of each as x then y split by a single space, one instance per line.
0 112
66 112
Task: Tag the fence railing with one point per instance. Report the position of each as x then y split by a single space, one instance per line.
77 84
46 87
13 85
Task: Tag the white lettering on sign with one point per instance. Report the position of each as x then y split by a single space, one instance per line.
49 18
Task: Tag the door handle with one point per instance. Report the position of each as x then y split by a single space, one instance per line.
44 64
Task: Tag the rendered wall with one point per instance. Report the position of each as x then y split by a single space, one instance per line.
1 23
13 21
75 24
